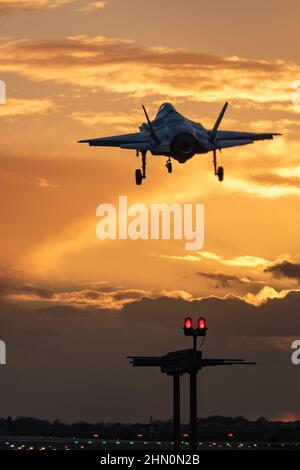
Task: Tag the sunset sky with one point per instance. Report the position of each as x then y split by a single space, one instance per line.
72 306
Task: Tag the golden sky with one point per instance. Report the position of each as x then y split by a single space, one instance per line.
80 69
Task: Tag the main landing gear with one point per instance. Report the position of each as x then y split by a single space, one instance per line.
141 174
219 170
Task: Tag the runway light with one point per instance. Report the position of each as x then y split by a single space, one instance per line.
201 324
201 327
188 326
188 323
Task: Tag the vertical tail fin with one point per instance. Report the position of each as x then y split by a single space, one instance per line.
213 133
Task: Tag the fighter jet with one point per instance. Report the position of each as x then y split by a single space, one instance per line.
172 135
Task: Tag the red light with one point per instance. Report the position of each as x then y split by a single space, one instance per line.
95 435
188 323
201 323
140 435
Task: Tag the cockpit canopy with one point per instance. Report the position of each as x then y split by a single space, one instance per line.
166 107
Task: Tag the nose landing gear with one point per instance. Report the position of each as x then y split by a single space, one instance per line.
169 165
219 170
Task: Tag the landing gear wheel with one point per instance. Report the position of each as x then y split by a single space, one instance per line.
169 167
220 173
138 177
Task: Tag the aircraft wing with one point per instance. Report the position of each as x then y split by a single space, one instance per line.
137 140
226 139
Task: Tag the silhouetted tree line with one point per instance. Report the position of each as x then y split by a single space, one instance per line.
210 427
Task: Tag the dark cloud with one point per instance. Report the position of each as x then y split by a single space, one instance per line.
62 311
285 269
226 316
271 178
221 279
131 294
38 291
57 351
16 283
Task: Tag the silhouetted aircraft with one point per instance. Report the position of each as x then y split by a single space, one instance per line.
173 135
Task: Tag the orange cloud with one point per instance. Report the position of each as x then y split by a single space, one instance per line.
93 6
123 122
21 287
7 6
265 294
239 261
124 67
24 107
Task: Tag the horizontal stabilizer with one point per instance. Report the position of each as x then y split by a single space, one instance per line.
118 140
235 135
137 146
222 144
